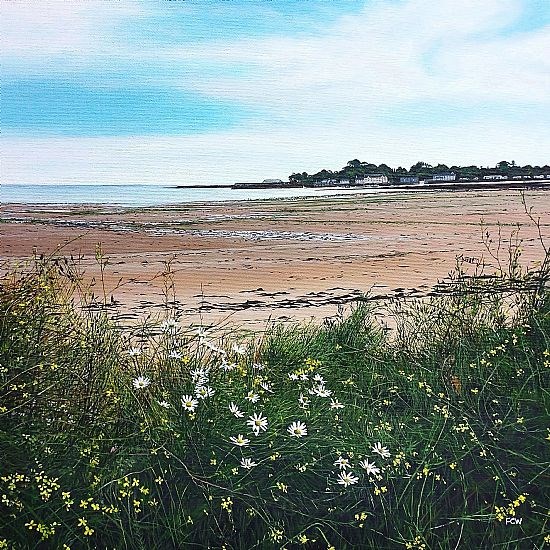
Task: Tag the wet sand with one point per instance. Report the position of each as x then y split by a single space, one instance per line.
247 262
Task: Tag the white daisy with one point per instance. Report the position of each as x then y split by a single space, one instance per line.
318 378
370 467
335 404
202 392
257 423
235 411
174 355
227 366
297 429
252 397
141 382
164 404
347 478
258 366
303 376
293 376
266 386
133 352
247 463
321 391
240 349
214 348
342 463
304 401
382 451
240 441
189 403
168 325
200 376
201 332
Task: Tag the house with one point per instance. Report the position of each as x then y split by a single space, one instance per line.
444 176
407 179
272 181
343 181
540 177
375 178
494 177
324 183
517 177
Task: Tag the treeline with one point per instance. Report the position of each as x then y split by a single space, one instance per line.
355 169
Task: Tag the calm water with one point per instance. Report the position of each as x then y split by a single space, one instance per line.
150 195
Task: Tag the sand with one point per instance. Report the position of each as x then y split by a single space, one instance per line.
246 262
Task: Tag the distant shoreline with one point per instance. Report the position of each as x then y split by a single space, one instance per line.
455 186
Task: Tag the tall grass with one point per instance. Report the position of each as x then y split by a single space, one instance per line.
435 435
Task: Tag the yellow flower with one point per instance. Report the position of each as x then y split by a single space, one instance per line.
452 465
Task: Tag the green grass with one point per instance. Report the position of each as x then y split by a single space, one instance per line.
458 394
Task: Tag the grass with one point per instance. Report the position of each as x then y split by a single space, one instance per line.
450 411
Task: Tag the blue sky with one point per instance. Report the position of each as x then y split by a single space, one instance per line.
217 91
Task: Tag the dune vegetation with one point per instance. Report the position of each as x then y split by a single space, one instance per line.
434 434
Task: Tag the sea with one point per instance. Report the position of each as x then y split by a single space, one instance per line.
154 195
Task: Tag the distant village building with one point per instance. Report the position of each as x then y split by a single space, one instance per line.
344 181
444 176
375 178
324 183
407 179
272 181
540 177
494 177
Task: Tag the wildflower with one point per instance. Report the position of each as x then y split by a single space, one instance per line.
227 366
240 349
335 404
189 403
452 465
258 366
164 404
370 467
297 429
214 348
293 376
321 391
342 463
227 504
266 386
133 352
168 325
202 392
252 397
235 410
141 382
319 379
200 376
304 401
379 490
174 355
382 451
240 441
248 463
257 423
347 478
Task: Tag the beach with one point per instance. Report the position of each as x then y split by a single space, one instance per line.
249 262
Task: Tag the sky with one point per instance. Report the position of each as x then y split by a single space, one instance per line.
215 92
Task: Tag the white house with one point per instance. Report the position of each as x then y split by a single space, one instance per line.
375 178
444 176
494 177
